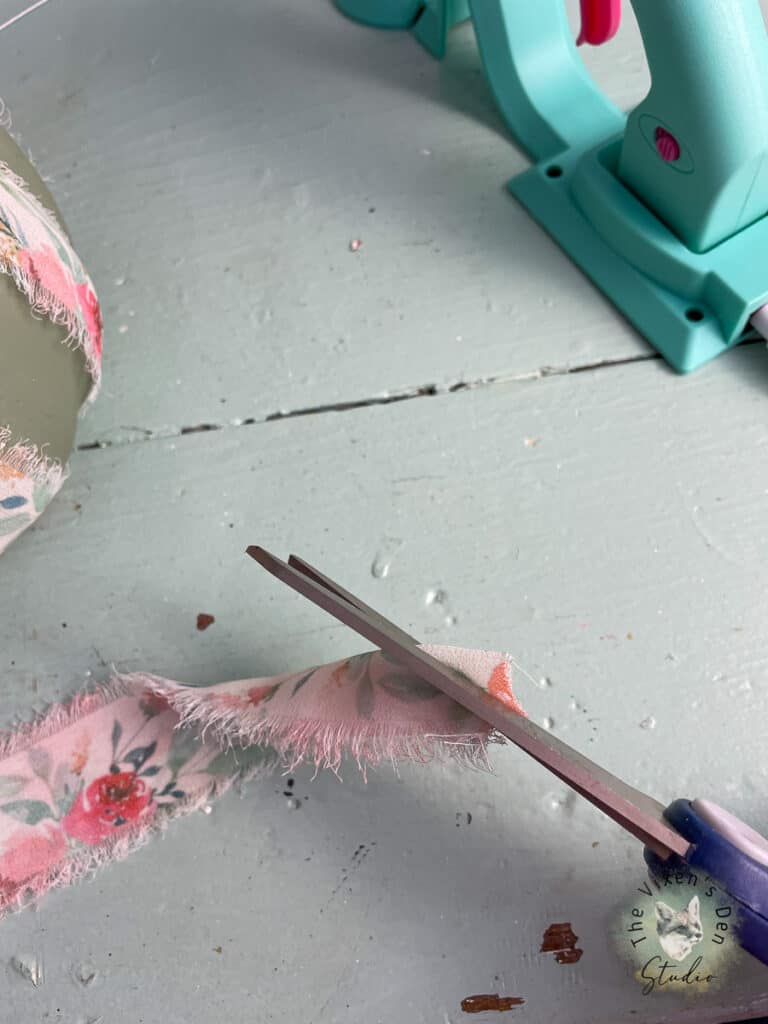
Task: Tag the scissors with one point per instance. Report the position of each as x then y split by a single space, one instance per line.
686 835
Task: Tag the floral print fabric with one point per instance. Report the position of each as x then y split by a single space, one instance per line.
94 778
36 253
27 484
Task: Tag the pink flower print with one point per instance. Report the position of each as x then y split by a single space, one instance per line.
500 687
89 304
257 694
46 269
154 703
111 801
30 852
242 701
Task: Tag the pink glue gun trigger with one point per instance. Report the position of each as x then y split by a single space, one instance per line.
600 21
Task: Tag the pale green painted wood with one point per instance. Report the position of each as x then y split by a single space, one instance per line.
637 511
185 139
225 200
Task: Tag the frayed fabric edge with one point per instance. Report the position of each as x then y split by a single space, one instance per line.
57 717
323 745
43 302
86 862
41 299
287 743
26 458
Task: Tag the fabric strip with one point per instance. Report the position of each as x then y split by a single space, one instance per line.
92 780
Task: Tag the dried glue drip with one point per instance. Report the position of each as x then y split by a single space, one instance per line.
29 967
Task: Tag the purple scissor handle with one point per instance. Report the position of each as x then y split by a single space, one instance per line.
730 853
683 836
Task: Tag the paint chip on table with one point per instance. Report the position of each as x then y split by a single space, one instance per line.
355 244
561 940
204 620
485 1003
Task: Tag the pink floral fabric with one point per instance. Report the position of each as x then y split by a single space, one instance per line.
36 253
94 778
28 481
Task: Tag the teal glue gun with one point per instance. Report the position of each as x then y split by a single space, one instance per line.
665 208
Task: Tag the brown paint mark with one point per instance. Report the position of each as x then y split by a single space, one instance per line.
217 949
204 620
561 940
479 1004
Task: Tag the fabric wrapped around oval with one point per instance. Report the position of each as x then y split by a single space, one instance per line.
50 344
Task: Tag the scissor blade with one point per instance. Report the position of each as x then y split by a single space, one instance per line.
636 812
314 574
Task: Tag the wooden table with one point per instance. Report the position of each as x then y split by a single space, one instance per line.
453 410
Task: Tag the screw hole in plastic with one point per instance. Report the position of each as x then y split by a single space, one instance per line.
694 315
554 171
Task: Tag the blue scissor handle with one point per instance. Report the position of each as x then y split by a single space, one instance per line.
744 878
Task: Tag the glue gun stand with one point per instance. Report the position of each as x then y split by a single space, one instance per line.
664 209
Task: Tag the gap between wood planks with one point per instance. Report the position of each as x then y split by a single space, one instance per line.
406 395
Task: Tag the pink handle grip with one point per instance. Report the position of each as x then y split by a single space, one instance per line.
600 20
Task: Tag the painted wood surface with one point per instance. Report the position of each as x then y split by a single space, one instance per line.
604 526
214 161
